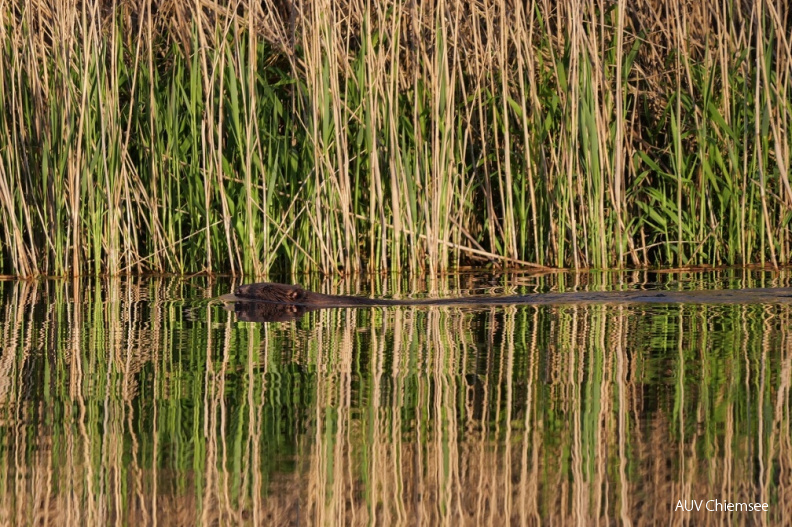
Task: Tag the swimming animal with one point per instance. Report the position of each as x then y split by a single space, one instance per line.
269 302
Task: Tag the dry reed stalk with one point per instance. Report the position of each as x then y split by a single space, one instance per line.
553 133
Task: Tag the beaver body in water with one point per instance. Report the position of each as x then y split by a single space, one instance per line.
295 295
273 302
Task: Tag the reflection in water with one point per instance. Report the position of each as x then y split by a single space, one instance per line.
266 311
123 402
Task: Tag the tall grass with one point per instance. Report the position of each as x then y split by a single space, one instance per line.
394 135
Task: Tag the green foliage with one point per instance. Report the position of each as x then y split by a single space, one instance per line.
369 137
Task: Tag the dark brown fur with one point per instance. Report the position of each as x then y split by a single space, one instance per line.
296 295
273 293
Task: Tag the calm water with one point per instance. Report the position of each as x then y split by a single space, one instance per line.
139 402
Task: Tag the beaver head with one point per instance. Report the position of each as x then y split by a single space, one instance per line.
267 292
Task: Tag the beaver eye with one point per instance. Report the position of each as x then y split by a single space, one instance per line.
293 295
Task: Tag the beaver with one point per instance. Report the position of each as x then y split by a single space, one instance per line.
270 302
276 302
296 295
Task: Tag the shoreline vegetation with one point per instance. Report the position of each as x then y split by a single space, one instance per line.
289 137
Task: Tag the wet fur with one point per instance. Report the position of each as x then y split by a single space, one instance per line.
296 295
273 293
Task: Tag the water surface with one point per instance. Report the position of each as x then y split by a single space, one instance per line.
137 401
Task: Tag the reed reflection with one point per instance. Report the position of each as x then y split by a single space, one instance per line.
122 402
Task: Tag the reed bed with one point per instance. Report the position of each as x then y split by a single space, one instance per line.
338 137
